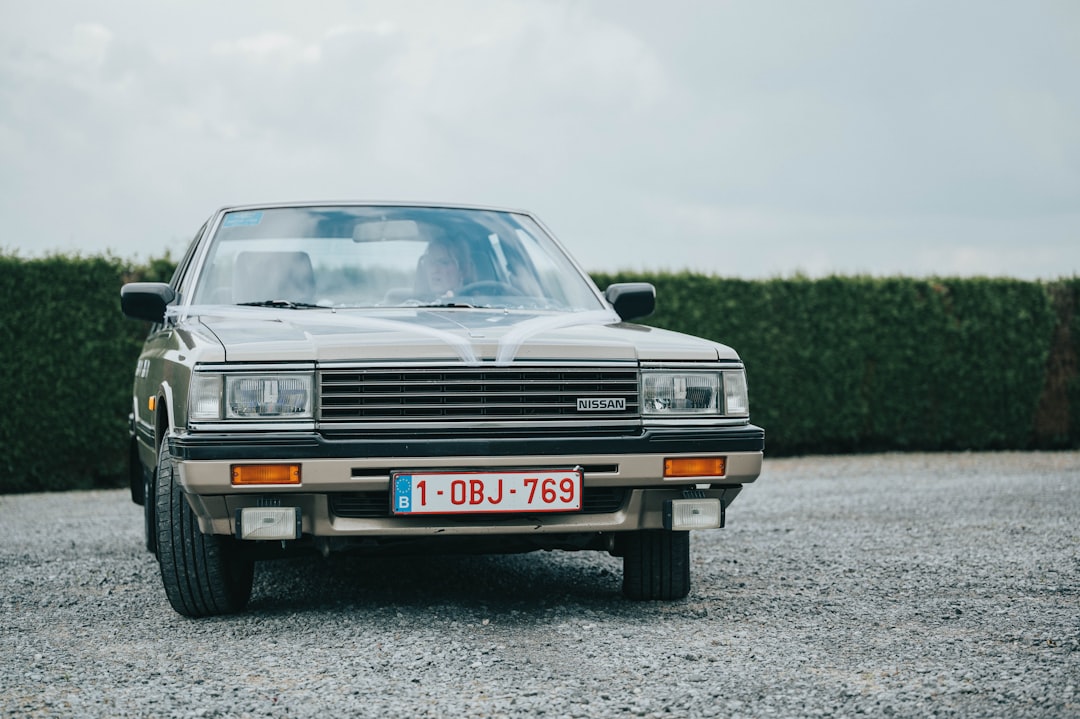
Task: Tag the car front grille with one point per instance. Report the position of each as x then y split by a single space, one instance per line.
376 505
459 396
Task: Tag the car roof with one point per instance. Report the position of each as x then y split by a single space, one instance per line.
370 203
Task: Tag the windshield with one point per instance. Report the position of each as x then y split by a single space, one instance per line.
365 256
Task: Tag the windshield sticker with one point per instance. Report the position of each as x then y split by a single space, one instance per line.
242 219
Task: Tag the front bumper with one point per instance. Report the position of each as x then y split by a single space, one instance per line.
332 467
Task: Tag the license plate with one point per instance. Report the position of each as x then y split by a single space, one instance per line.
486 492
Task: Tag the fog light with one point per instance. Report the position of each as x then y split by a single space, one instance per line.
268 523
684 514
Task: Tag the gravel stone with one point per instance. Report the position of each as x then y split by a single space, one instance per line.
882 585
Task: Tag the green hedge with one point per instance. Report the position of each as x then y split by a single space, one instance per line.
861 364
836 364
1057 420
68 360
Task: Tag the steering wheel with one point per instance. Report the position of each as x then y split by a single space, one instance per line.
488 287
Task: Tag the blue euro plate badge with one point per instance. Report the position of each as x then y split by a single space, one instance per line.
487 492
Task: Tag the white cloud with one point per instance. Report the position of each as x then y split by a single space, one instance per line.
88 46
276 47
740 137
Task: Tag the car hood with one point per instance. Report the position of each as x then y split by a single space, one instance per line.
470 336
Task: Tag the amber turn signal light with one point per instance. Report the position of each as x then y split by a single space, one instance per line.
695 467
266 474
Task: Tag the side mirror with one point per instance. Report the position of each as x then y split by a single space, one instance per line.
146 300
632 300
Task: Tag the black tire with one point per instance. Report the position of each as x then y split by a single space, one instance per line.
203 574
135 473
656 564
142 494
149 511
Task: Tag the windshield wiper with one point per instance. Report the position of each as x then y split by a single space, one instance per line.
449 304
288 304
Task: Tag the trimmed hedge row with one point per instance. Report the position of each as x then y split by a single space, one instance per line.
864 364
837 364
68 358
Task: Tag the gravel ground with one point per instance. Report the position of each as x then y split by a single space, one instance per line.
906 585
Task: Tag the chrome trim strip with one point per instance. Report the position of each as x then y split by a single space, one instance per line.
239 367
405 366
682 366
510 425
247 426
693 422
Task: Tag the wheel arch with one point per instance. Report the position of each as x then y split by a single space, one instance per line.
163 414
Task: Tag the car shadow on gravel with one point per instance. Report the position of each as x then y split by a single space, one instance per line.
519 580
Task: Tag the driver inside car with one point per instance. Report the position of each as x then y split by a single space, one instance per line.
443 269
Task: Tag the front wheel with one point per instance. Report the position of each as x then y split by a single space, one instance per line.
656 564
149 512
203 574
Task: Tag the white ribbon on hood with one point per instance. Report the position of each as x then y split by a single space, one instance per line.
459 344
508 346
511 342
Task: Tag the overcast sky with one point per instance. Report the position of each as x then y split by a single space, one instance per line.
746 138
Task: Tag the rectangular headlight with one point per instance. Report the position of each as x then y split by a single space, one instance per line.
215 396
674 393
283 396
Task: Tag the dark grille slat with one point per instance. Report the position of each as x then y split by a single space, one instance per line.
424 403
493 381
460 395
522 396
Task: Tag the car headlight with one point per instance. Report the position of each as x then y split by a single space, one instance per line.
216 396
695 393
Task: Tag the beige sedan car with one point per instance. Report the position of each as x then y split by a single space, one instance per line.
413 378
